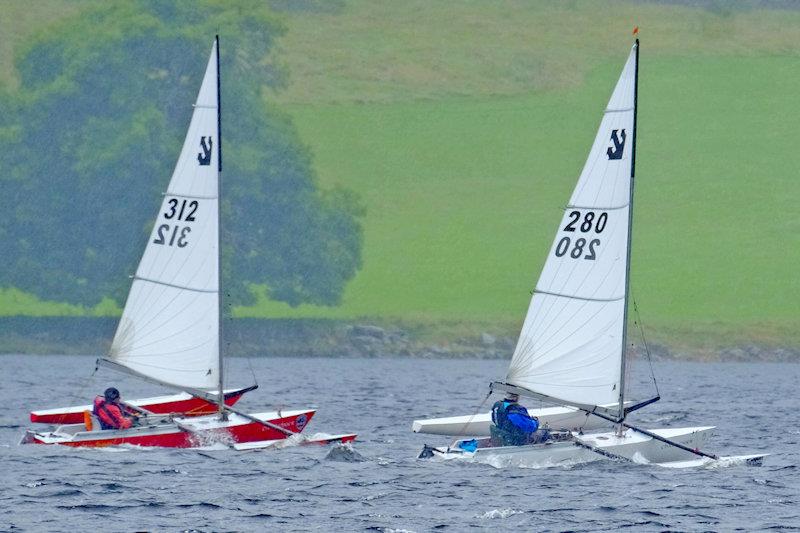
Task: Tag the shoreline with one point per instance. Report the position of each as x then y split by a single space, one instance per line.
337 338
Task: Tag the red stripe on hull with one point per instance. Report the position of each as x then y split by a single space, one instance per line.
249 432
191 407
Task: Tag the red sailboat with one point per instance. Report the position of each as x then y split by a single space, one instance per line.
170 331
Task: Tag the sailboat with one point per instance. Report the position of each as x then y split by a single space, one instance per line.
170 332
571 350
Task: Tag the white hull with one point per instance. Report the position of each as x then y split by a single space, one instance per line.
633 446
478 425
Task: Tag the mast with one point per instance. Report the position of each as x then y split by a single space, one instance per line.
222 413
630 233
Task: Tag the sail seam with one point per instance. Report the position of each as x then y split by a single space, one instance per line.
183 287
191 196
597 208
205 106
579 297
618 110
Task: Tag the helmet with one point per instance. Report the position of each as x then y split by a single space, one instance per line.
111 394
512 396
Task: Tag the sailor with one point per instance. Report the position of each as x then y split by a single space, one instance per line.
110 412
512 425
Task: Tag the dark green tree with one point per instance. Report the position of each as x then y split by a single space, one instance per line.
91 136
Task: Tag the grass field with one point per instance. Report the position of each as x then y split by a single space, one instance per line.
464 194
464 126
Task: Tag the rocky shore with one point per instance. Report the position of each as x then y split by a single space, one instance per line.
332 338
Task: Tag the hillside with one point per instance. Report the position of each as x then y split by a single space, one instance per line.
463 127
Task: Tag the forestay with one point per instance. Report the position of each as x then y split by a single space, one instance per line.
571 344
170 326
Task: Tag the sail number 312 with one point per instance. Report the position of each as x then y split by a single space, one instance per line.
176 235
582 247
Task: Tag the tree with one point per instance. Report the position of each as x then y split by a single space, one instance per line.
92 133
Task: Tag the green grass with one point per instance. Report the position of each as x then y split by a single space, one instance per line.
21 18
464 125
384 50
463 196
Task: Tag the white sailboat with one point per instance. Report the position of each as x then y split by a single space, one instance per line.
170 332
571 350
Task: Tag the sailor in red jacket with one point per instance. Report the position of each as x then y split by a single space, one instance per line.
111 414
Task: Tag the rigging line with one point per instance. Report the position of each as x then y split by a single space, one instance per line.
76 397
474 413
644 342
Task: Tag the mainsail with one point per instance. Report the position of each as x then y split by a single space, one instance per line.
571 348
169 330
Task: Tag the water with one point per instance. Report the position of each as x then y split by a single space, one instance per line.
380 485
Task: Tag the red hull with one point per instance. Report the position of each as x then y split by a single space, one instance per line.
188 407
248 432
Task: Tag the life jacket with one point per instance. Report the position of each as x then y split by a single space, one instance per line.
510 433
500 413
110 415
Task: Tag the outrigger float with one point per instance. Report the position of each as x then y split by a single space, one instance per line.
571 351
170 331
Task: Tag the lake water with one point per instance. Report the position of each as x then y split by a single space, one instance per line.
754 406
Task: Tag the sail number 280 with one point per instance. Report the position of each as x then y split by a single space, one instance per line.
582 247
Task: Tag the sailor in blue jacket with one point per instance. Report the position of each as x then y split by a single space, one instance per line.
513 426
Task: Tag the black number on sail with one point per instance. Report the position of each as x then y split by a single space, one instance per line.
177 235
587 222
578 250
601 223
161 229
562 246
592 255
193 206
575 216
173 210
185 231
173 204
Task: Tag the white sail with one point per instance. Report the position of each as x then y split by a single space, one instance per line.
170 326
571 344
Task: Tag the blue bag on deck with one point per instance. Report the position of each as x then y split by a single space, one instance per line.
468 445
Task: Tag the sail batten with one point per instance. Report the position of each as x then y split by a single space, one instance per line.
183 287
571 343
581 297
169 328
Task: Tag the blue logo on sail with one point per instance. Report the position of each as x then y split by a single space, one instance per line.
619 145
204 157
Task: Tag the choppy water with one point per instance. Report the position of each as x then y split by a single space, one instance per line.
381 486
